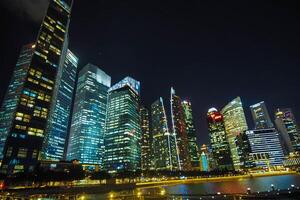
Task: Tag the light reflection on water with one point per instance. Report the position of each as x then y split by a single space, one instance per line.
235 186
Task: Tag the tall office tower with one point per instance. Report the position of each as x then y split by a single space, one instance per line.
86 141
180 132
286 124
10 101
244 150
26 134
266 149
218 139
164 143
146 140
191 134
123 130
261 116
59 119
235 123
204 165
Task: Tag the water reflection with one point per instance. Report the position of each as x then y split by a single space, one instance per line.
236 186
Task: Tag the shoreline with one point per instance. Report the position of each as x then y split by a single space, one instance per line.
106 188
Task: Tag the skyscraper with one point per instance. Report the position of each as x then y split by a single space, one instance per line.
191 134
218 139
164 143
13 93
26 134
59 118
266 149
180 132
235 123
86 142
123 130
287 126
146 140
261 116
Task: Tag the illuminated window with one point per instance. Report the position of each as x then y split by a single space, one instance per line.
22 153
9 151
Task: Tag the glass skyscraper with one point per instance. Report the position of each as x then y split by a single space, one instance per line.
146 140
235 123
59 119
123 130
287 126
164 143
26 134
86 141
191 134
13 93
266 149
218 139
261 116
180 132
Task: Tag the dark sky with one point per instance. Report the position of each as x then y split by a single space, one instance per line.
209 51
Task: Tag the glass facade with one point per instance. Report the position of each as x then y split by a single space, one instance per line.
266 149
219 141
191 134
34 104
123 130
261 116
145 142
180 132
10 101
164 143
287 126
59 119
235 123
86 141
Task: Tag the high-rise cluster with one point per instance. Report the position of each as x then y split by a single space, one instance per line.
50 113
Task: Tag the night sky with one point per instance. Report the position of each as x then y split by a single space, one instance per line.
209 51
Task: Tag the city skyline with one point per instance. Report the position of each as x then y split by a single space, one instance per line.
103 53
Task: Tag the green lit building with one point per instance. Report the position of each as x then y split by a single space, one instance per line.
235 124
123 131
218 140
191 134
33 103
86 140
164 143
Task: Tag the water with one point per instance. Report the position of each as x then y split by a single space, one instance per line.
229 187
236 186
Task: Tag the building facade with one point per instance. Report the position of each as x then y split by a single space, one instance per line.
164 143
266 149
56 134
13 93
146 140
25 137
287 126
86 141
191 134
180 132
261 116
235 123
218 139
123 130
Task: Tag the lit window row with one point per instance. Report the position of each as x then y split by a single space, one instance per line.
22 117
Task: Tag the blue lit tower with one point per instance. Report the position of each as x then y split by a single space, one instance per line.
164 143
86 140
261 116
26 134
123 130
58 123
13 93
